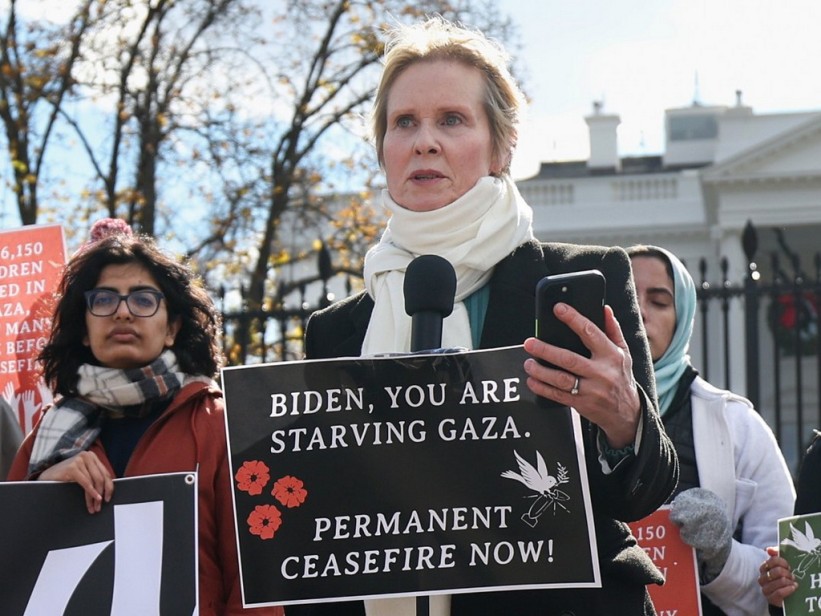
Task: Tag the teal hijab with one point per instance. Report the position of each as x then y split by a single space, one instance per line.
670 366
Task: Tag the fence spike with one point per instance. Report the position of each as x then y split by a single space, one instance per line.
749 241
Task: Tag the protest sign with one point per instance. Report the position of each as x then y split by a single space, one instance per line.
799 542
136 556
31 262
404 475
660 538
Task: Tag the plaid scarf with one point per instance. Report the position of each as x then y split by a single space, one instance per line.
73 424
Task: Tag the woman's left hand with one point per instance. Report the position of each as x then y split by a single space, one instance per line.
86 469
606 391
775 578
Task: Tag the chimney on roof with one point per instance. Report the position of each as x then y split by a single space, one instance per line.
740 109
604 147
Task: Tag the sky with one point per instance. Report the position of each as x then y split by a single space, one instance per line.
640 57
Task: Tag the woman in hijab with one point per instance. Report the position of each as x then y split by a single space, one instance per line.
734 483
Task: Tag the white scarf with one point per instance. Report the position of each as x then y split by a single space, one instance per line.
474 233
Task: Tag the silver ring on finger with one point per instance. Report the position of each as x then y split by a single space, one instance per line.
575 390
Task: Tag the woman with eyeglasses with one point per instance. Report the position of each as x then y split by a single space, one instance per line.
131 358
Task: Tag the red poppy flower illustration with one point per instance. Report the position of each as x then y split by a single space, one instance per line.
264 521
252 477
289 491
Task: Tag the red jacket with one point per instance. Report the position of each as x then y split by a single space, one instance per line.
189 435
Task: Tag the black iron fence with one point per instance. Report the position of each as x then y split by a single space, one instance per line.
781 348
270 334
770 327
274 332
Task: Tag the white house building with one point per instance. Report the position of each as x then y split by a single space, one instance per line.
722 166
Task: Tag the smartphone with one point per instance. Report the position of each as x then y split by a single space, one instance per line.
584 291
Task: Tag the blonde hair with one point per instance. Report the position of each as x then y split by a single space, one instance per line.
438 39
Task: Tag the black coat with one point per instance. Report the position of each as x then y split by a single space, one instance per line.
635 488
808 496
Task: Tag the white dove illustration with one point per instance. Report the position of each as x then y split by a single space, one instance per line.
809 545
538 480
804 542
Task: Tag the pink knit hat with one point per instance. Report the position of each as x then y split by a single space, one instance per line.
108 226
103 228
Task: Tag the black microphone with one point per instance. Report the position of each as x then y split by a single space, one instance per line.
430 286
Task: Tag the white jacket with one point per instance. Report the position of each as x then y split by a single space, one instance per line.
739 459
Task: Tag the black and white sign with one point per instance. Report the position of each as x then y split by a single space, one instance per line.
405 475
138 556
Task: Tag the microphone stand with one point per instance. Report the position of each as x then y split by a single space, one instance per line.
429 288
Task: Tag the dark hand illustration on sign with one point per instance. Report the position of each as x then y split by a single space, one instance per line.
540 481
809 545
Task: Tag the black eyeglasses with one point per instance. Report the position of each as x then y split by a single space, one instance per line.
142 303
